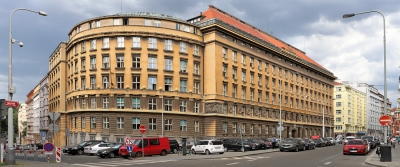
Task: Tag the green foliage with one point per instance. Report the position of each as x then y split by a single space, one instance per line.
4 123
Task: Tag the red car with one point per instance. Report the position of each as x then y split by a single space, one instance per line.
152 146
356 146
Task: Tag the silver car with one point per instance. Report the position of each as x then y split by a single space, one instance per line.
333 141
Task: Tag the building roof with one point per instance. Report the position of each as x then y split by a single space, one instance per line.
214 12
337 83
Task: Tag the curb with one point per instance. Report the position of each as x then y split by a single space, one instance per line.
368 161
231 156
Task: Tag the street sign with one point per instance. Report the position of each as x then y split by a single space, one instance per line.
54 128
12 104
385 120
142 128
48 147
54 116
280 128
129 148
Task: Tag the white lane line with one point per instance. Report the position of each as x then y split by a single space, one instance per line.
224 158
327 163
233 163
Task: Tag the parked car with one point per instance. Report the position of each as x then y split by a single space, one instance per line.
235 145
333 141
339 141
371 141
208 147
109 152
258 144
151 146
292 144
92 149
355 146
79 148
327 142
348 138
310 144
174 145
268 143
369 147
319 142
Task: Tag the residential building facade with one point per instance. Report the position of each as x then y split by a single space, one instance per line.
205 77
22 123
29 117
43 110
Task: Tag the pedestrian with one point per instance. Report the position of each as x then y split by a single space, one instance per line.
273 142
393 141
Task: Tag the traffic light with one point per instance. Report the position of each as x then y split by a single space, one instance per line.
3 109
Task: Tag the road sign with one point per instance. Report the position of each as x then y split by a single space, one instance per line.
142 128
280 128
129 148
385 120
54 116
48 147
12 104
54 128
58 154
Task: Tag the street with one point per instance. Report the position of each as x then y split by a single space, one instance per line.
320 157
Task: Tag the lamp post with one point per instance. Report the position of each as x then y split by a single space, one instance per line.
11 90
384 63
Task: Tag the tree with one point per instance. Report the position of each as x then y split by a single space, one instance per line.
4 123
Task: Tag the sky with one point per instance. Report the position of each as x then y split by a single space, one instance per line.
350 48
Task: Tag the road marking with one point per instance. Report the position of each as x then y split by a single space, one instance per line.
327 163
224 158
233 163
330 157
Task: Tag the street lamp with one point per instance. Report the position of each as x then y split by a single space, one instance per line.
384 62
11 90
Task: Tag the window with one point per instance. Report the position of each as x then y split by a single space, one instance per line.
266 129
105 82
196 68
135 61
83 64
147 22
244 75
178 26
135 102
83 122
152 123
106 43
224 70
168 125
136 42
196 87
168 64
168 44
120 42
251 62
152 103
92 82
234 109
259 80
251 112
92 102
187 28
243 59
183 106
93 63
196 50
152 62
234 73
157 23
259 64
105 102
83 103
135 82
337 88
338 127
106 123
125 21
120 81
234 90
182 47
116 21
120 103
183 65
135 123
83 46
243 127
152 83
196 126
224 127
251 128
83 83
338 111
183 85
243 92
76 49
195 30
92 122
338 104
153 43
168 105
259 96
97 23
224 53
234 53
168 84
338 119
234 127
76 66
196 107
183 125
266 97
106 61
224 88
339 96
252 78
76 122
120 61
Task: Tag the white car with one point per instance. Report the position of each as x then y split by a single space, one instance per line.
92 149
333 141
348 138
208 147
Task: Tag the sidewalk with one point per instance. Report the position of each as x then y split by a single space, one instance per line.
373 159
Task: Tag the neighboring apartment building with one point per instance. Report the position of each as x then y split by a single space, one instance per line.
396 114
209 76
44 111
21 119
29 117
36 114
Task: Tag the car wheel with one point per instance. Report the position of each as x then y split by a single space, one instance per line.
174 150
111 155
80 152
207 152
163 153
193 152
221 153
226 149
281 150
139 154
297 149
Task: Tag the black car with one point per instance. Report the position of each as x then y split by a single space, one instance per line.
235 145
319 142
310 144
371 141
109 152
174 145
327 141
259 144
80 148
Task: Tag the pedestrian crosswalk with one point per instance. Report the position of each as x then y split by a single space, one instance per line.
124 162
248 158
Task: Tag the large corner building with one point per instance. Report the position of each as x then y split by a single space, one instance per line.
205 77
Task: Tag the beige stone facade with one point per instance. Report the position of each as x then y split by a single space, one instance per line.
122 71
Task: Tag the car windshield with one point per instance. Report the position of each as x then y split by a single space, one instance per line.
369 138
116 146
355 142
290 140
350 138
316 140
82 144
306 140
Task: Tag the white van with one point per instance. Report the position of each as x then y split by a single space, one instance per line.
348 138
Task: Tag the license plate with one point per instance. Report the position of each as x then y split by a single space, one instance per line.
217 147
353 151
123 154
285 147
